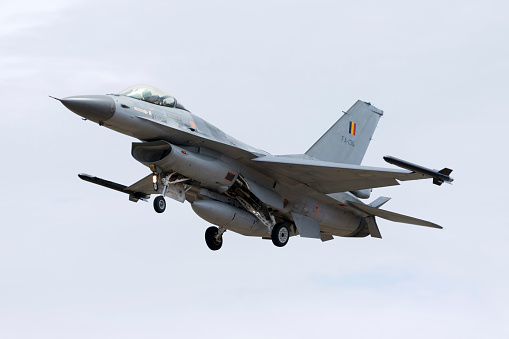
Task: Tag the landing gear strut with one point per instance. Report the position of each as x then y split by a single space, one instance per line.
172 186
214 237
280 235
159 204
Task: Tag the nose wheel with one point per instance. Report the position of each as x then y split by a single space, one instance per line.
159 204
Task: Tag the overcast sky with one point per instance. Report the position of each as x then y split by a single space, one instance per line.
81 261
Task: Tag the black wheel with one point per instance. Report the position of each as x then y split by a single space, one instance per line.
210 238
159 204
280 235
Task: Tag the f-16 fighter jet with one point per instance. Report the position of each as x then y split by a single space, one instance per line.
246 190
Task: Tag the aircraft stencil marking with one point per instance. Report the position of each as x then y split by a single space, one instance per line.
348 141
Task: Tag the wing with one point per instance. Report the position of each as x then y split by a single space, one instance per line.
140 190
329 177
144 185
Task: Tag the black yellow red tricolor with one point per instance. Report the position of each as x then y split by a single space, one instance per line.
353 128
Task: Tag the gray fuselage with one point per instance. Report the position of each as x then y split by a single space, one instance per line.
150 122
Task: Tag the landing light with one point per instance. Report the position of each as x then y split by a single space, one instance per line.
154 181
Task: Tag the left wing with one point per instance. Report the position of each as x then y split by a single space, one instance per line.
330 177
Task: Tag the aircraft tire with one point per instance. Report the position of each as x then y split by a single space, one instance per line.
280 235
159 204
210 238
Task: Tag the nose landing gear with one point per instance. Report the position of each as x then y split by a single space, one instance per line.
173 185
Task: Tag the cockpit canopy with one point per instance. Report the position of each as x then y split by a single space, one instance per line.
151 94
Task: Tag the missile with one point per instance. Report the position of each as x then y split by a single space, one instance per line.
439 177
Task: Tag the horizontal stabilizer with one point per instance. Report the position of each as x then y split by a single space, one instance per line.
392 216
133 195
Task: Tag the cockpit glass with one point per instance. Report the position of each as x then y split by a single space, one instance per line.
151 94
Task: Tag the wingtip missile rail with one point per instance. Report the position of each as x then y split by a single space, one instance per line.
439 177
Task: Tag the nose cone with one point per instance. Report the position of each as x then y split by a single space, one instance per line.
97 108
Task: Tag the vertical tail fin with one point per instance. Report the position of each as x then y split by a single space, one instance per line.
348 139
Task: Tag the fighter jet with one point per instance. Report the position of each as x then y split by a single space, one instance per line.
246 190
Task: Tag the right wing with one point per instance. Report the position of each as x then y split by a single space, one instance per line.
330 177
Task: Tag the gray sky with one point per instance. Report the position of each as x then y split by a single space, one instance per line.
80 261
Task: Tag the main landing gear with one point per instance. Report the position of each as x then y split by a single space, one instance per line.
214 237
280 235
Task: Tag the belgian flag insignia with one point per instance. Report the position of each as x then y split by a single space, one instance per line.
353 128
